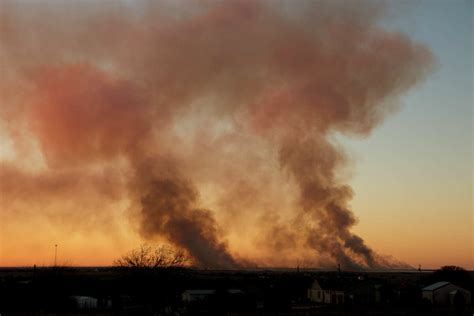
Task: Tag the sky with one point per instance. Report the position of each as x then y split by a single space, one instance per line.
423 153
411 173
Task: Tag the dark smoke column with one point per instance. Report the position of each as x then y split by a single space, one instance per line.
168 208
313 163
341 73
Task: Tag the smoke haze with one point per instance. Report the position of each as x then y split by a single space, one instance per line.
211 121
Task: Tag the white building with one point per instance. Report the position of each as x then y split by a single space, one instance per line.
444 293
325 292
85 302
197 295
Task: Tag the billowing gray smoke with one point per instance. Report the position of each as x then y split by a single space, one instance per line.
324 202
109 84
169 208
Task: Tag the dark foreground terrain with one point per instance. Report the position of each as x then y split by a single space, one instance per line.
181 291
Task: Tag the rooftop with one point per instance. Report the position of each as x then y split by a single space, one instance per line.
200 292
435 286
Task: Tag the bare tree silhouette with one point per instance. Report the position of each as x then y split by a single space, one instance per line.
149 257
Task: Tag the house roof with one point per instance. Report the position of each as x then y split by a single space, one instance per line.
363 286
235 291
83 298
435 286
333 285
200 292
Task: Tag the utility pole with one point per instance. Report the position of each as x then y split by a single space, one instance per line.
55 254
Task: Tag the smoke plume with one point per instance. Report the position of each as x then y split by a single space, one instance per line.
175 107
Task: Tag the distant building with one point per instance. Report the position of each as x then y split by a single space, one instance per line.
189 296
235 292
197 295
445 293
364 292
85 302
326 292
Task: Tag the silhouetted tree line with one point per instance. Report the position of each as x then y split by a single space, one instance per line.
454 274
149 257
